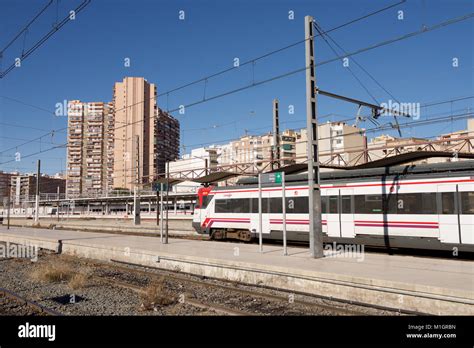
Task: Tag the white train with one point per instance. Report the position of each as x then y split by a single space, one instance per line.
423 207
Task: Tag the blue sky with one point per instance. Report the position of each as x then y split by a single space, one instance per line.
85 58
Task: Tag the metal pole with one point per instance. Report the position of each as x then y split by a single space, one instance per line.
158 216
283 205
8 204
161 212
314 191
57 212
276 134
136 207
167 199
37 192
260 227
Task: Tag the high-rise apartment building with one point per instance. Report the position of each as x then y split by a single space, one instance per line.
90 148
134 109
122 144
166 144
145 136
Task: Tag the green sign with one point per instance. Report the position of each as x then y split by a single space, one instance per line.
157 187
278 178
274 178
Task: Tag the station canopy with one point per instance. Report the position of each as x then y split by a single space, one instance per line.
216 177
380 163
410 157
303 167
213 177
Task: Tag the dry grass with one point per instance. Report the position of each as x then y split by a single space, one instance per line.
155 295
60 270
52 272
78 281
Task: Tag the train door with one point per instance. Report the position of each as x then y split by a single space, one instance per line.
466 217
346 213
333 220
449 227
254 216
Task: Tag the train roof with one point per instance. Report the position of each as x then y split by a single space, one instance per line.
419 170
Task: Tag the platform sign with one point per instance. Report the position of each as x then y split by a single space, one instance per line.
157 186
271 178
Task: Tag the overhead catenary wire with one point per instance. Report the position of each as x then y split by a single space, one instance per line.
45 38
33 140
458 117
437 26
325 62
358 64
359 51
323 35
25 28
234 139
253 60
27 104
22 126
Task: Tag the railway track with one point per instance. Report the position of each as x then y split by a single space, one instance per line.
234 288
191 301
13 303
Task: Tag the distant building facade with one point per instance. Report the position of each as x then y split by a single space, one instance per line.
339 144
23 187
134 101
166 141
145 136
5 179
90 148
122 144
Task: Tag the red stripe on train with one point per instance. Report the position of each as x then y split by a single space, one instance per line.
360 223
398 222
350 186
395 225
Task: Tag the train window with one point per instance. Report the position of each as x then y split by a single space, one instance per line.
236 206
333 204
467 202
429 203
408 203
346 205
265 202
275 206
205 201
222 205
324 205
241 205
447 203
297 205
389 204
294 205
368 204
415 203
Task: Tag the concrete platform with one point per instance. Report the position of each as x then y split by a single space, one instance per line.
177 227
426 285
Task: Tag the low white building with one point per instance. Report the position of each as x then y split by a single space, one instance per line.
204 157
